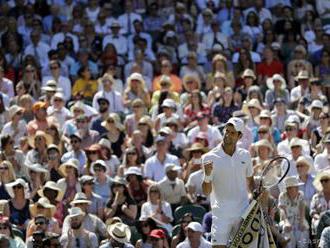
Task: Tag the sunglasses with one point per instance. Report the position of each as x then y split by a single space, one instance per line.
18 187
4 227
290 129
4 168
39 223
29 71
131 153
262 132
75 141
54 68
137 106
154 191
117 185
110 121
57 100
325 180
89 183
293 147
145 225
92 152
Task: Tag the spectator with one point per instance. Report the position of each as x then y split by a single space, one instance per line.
194 236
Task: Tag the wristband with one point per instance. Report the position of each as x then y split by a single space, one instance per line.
207 179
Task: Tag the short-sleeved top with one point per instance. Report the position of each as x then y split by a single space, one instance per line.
292 206
229 196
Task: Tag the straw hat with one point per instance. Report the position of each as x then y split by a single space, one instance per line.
70 163
18 181
249 73
39 133
13 110
53 186
80 198
191 77
264 143
305 161
270 81
39 105
265 113
138 77
44 202
119 180
325 174
146 120
111 221
302 75
292 182
105 143
194 147
115 117
78 105
37 168
254 103
75 212
120 232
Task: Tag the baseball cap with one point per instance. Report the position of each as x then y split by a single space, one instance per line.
158 234
195 226
237 123
172 167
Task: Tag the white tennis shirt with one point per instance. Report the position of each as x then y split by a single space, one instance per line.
229 196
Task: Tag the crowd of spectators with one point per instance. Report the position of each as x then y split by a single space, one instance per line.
107 107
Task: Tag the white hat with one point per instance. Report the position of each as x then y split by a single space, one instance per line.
80 197
13 110
195 226
53 186
136 76
172 167
306 161
254 103
237 123
270 81
100 163
116 118
165 130
264 143
170 103
302 75
120 232
70 163
44 202
134 170
37 168
325 174
249 73
292 182
295 142
317 104
105 143
18 181
75 211
59 95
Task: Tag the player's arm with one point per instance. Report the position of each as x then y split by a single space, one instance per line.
251 186
207 180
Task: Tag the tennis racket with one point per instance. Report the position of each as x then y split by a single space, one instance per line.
273 174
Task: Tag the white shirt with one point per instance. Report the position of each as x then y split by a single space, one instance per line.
283 148
7 87
155 170
254 56
59 37
186 244
195 180
120 43
321 161
63 82
114 97
213 135
9 130
60 115
229 196
296 93
142 35
208 40
127 18
92 13
180 140
40 52
172 191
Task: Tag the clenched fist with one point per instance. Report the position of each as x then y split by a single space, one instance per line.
208 167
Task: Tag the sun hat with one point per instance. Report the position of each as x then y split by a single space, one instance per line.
119 180
59 95
53 147
39 105
78 105
317 104
300 48
292 182
51 86
325 174
80 198
18 181
101 163
249 73
270 81
302 75
134 170
306 161
279 100
264 143
195 226
111 221
120 232
255 104
165 80
75 212
169 103
237 123
86 178
172 120
157 233
13 110
39 133
115 117
240 114
44 202
37 168
136 76
172 167
196 146
146 120
191 77
75 135
70 163
105 143
295 142
265 113
53 186
165 131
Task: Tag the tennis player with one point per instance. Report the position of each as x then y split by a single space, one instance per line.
228 178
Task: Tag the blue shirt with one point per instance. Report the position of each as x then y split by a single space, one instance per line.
96 125
275 133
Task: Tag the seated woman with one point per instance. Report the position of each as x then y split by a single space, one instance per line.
7 175
131 159
19 203
84 87
144 227
181 236
121 204
157 209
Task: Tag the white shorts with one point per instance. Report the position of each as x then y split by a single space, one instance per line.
222 228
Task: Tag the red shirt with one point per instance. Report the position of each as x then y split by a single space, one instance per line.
269 70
